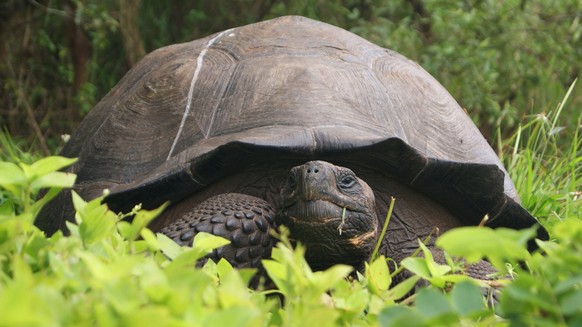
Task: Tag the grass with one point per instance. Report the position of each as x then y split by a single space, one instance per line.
544 161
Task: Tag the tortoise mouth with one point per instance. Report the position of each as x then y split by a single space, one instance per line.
332 234
313 212
323 221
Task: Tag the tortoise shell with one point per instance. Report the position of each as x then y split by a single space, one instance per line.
271 95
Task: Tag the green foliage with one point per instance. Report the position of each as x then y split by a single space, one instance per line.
109 272
549 288
544 160
22 182
112 271
498 246
462 306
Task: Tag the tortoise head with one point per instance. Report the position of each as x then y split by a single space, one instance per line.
332 212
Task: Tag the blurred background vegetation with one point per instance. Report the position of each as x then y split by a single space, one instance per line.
501 60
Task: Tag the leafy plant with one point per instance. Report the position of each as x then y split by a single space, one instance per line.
549 288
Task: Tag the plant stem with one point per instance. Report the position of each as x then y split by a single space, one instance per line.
388 216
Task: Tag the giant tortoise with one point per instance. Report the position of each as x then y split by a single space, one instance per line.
294 122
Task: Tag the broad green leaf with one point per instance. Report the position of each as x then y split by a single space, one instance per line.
403 288
187 256
170 248
434 268
78 203
7 208
150 239
276 271
574 282
149 316
97 267
325 280
280 274
124 228
234 316
223 268
417 266
48 165
357 301
105 316
207 242
476 243
153 281
95 220
526 289
140 220
397 316
432 303
246 274
54 179
572 303
320 317
378 275
11 174
468 299
233 291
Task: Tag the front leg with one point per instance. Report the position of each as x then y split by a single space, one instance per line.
242 219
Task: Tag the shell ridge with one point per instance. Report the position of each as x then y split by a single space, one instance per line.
199 63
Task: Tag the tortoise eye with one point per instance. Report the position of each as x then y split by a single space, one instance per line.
347 181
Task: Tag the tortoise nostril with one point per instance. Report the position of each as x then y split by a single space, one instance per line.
314 170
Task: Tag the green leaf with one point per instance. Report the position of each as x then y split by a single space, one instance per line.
378 275
397 316
357 301
574 282
95 220
223 268
78 203
48 165
417 266
435 269
468 299
476 243
432 303
572 303
403 288
327 279
527 291
170 248
278 273
150 239
7 208
140 220
54 179
234 316
11 174
206 242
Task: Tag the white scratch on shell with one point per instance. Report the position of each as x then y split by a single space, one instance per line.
199 62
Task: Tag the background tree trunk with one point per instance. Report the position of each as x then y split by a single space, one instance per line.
132 43
80 49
